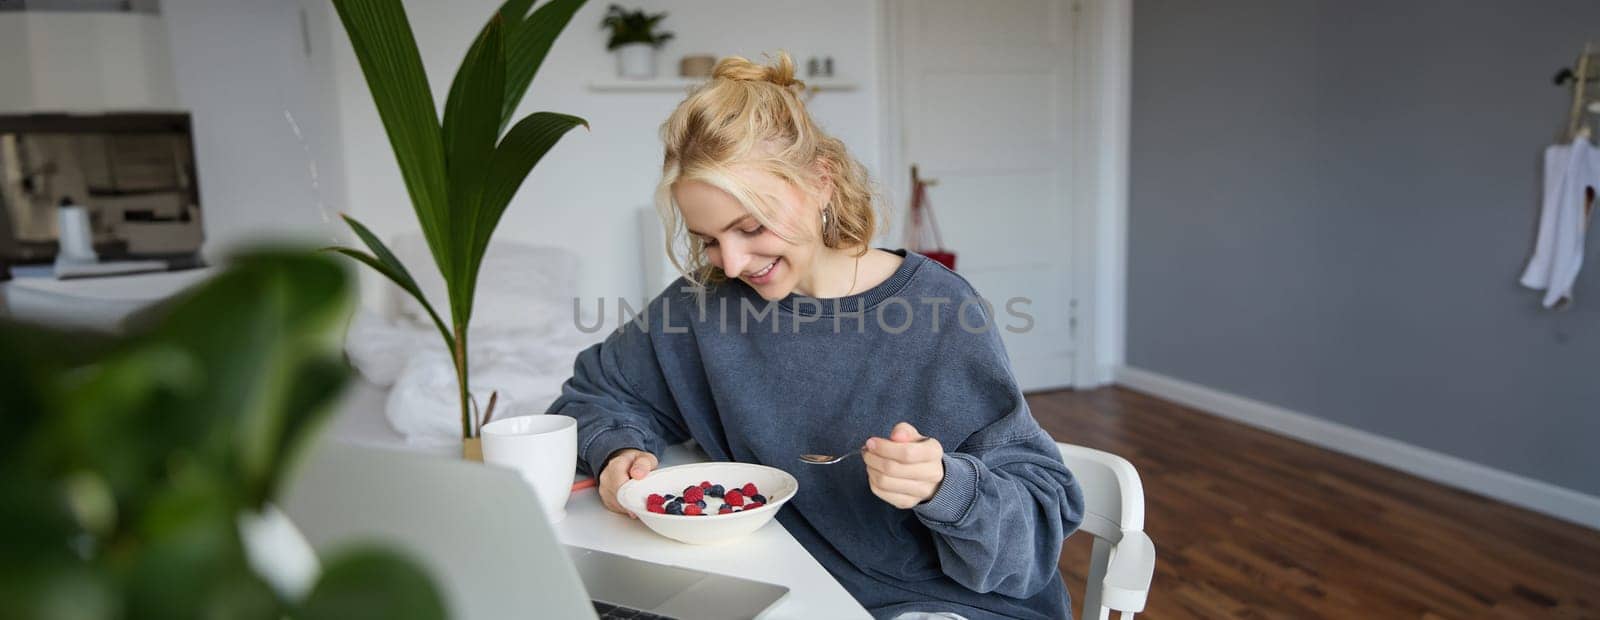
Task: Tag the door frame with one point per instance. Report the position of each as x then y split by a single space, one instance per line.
1102 46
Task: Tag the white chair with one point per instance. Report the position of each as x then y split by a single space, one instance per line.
1124 558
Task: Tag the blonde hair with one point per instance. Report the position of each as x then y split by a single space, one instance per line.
752 115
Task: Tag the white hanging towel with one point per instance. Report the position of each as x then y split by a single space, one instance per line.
1571 177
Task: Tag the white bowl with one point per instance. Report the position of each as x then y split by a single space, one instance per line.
775 484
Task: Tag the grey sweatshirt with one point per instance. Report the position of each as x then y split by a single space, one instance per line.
759 382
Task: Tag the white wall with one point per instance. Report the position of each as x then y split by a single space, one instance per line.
84 62
240 66
584 195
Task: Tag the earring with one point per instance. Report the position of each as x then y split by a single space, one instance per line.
829 233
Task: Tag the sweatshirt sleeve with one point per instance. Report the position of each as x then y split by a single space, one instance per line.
620 398
1007 501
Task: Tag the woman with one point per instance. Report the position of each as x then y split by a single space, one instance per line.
791 335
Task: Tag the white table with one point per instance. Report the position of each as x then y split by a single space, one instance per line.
95 303
770 554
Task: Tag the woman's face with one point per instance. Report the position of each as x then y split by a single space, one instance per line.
740 246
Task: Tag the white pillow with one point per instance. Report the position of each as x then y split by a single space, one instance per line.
520 287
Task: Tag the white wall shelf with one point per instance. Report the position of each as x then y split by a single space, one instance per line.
682 84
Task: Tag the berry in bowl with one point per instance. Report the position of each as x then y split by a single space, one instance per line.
708 503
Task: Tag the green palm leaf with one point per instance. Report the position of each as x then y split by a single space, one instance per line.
529 44
522 148
512 13
384 262
387 51
471 126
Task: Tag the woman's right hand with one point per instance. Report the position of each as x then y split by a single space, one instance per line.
624 465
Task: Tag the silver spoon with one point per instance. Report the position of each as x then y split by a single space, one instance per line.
828 459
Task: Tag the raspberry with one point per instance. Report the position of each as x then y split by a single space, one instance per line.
693 499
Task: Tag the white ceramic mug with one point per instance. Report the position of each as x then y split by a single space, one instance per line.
543 448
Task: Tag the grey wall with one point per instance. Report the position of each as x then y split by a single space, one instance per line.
1331 203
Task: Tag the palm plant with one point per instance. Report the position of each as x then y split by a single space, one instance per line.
461 173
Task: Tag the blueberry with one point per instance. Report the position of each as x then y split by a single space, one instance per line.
716 490
758 498
701 503
668 497
674 509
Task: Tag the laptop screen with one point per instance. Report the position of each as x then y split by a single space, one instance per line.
134 172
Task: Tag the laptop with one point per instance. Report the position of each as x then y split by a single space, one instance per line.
133 172
483 536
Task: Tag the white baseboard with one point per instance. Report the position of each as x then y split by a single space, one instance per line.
1562 503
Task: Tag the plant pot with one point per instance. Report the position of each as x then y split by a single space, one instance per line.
636 61
472 449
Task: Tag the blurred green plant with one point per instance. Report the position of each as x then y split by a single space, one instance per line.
126 462
461 174
633 27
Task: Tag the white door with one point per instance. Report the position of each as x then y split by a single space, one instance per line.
979 93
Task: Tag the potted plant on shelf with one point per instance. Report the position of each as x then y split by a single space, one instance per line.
136 471
635 41
461 173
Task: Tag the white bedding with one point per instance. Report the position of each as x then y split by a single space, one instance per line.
522 342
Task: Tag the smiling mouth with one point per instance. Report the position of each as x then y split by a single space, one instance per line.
765 270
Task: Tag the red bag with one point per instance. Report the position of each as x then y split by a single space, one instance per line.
919 208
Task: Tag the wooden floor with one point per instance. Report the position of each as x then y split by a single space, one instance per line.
1251 524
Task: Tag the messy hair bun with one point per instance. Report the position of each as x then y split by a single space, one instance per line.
739 68
753 115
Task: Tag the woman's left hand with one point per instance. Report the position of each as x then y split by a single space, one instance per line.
902 471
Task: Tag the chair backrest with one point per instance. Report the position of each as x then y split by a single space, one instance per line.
1113 498
1113 502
